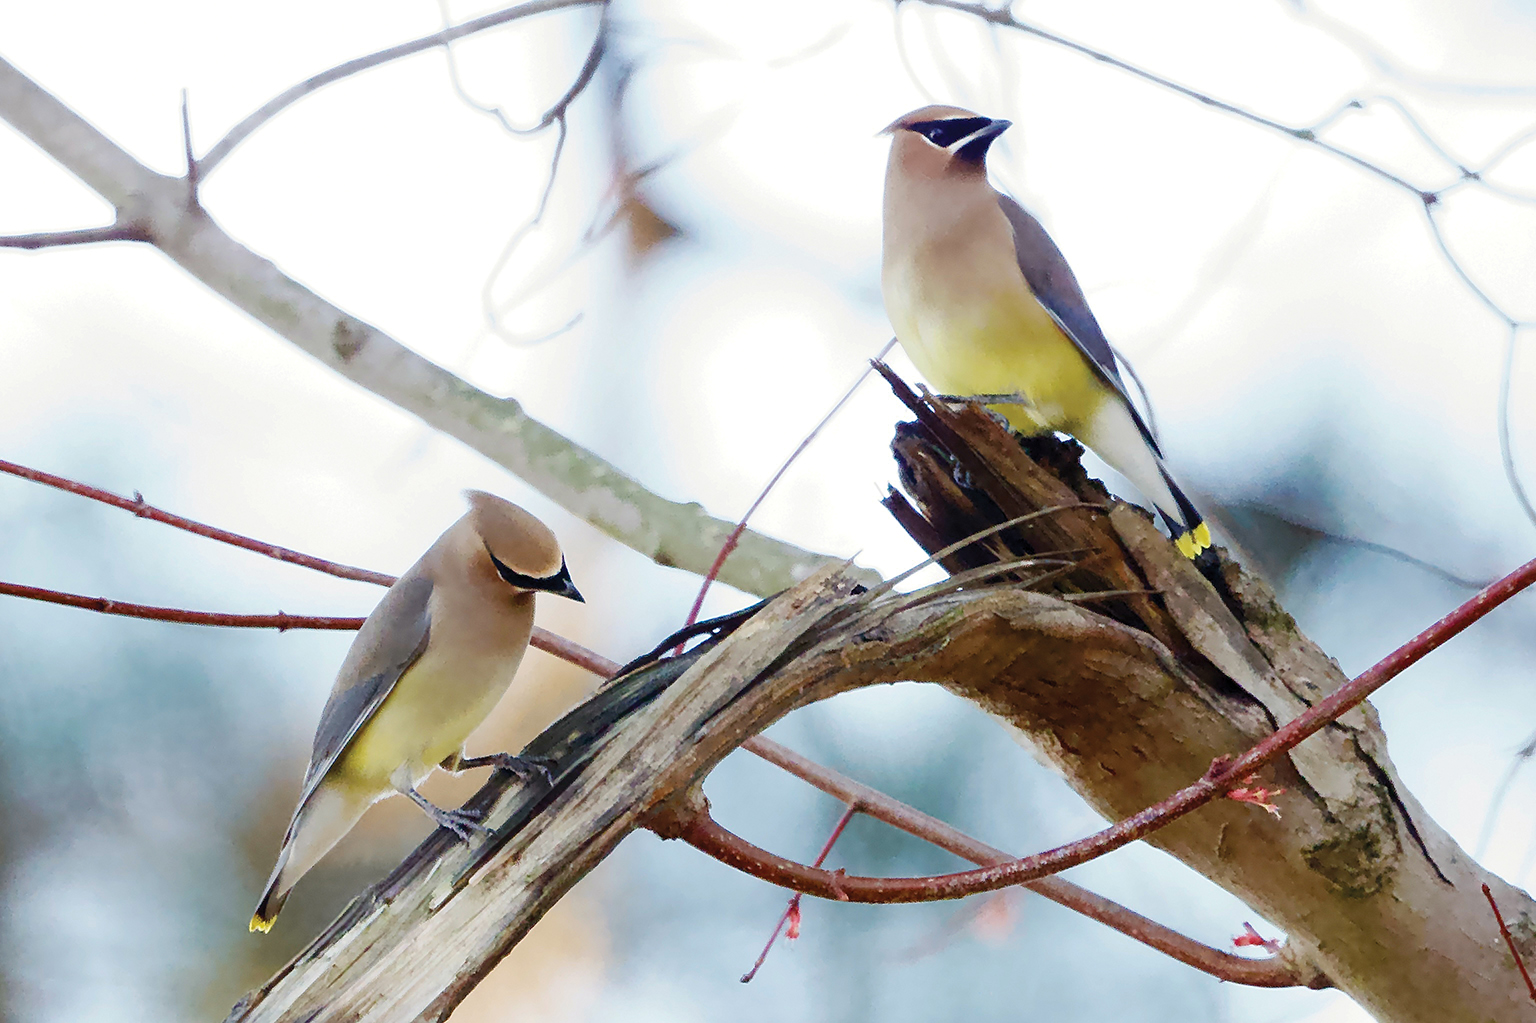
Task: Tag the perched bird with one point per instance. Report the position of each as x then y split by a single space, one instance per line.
985 305
425 669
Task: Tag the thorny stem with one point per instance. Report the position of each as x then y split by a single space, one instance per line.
870 801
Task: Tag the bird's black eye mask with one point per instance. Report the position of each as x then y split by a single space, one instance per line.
557 583
947 132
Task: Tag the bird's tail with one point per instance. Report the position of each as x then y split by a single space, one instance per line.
319 823
273 897
1190 533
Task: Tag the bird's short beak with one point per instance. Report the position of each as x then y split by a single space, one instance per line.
560 585
974 147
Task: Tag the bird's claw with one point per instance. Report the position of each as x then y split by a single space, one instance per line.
526 768
463 823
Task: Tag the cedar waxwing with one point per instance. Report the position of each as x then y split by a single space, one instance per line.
425 669
984 304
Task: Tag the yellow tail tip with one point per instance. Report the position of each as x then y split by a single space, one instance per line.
1192 542
260 923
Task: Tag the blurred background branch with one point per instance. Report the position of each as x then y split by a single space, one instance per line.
670 533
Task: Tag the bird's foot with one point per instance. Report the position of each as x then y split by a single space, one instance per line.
463 823
526 768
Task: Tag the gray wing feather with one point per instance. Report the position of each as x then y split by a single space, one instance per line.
1046 272
396 634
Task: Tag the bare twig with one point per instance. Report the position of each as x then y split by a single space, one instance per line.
1002 16
186 142
1510 941
874 803
557 111
240 132
138 506
1506 448
730 541
118 232
1224 773
280 621
791 914
1522 756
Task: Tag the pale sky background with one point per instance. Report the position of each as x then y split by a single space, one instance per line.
1307 348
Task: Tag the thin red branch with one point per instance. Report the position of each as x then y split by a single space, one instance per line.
543 639
280 621
703 833
1510 941
792 911
874 803
735 536
144 510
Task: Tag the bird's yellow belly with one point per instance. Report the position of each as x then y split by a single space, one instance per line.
423 720
1001 345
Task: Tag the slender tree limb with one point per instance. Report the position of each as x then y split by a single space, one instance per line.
144 510
670 533
791 914
280 621
874 803
558 110
83 236
240 132
1002 16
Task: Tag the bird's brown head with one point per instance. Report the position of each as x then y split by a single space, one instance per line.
522 550
936 141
